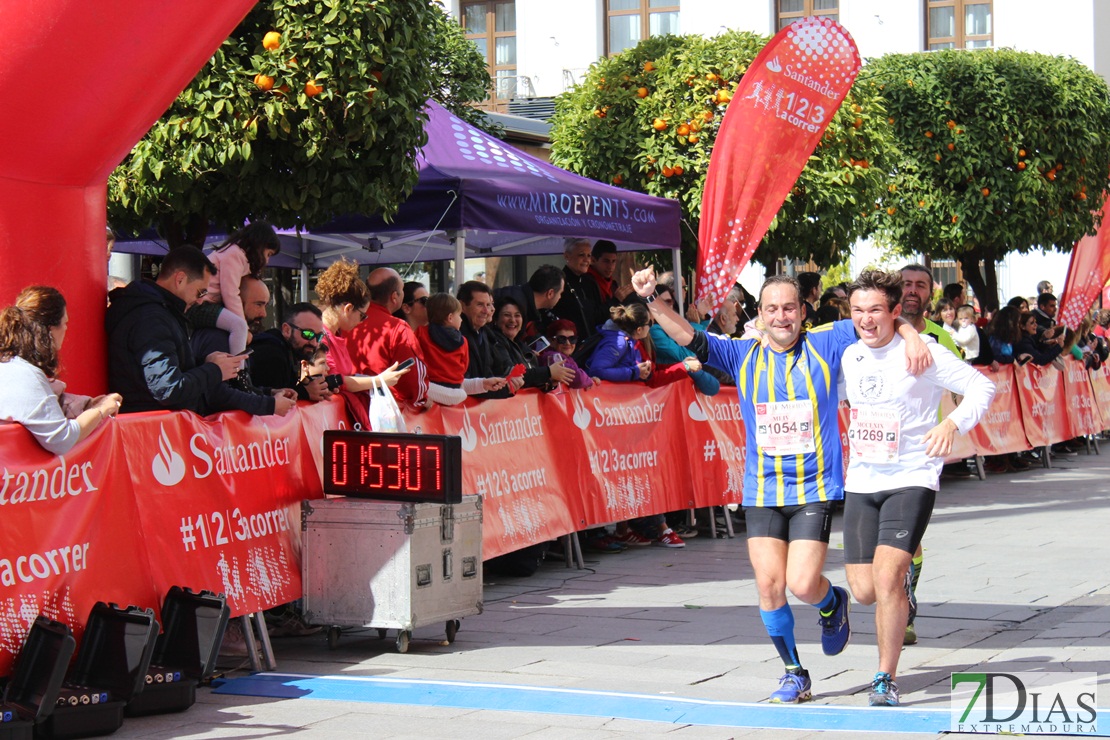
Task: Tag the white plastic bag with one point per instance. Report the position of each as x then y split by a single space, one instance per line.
385 414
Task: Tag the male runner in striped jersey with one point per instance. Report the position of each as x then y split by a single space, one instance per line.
793 468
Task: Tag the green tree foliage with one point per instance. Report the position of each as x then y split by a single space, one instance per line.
328 122
647 119
999 151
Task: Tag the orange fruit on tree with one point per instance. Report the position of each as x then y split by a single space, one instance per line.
642 92
1082 196
692 138
951 147
618 179
649 66
1021 153
890 211
1050 175
928 134
271 41
938 157
707 115
723 96
890 121
856 108
659 124
682 129
1021 166
264 82
283 89
678 171
920 204
668 172
951 124
857 123
955 218
986 192
599 113
312 88
711 77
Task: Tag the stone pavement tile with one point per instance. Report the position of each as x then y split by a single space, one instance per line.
413 724
1078 629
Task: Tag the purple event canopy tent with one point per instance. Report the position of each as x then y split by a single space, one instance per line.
477 197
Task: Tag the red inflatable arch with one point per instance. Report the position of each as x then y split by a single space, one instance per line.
81 83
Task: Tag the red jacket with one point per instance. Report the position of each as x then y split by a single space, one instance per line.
383 339
446 367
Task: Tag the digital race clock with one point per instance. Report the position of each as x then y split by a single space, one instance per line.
396 467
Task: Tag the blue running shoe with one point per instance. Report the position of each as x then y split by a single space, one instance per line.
794 687
884 692
835 630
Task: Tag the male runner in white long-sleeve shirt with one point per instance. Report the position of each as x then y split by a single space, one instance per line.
896 450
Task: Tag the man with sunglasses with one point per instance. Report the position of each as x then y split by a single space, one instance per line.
278 353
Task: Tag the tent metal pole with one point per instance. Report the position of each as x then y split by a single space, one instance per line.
459 238
304 270
679 293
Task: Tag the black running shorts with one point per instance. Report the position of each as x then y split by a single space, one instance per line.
896 518
789 523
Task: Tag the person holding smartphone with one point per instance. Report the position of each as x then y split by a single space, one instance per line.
509 352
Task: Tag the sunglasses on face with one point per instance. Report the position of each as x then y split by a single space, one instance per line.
423 301
559 339
308 334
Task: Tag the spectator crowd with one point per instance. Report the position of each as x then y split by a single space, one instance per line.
193 338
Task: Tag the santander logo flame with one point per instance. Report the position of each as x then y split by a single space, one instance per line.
696 412
467 434
774 65
168 466
581 416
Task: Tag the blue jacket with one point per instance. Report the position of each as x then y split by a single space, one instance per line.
668 352
616 356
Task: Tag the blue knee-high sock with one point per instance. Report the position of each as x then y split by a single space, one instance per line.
828 604
780 626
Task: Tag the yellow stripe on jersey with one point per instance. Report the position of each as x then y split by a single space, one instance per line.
742 380
823 363
762 477
799 458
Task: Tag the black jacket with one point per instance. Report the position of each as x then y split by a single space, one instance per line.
484 363
150 361
273 364
581 303
508 353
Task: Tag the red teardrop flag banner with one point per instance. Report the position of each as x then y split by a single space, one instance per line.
773 123
1088 271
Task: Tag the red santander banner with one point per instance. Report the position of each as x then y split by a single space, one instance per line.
1043 405
784 103
522 456
222 498
70 534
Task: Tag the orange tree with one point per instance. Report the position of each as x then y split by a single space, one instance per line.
311 108
998 151
646 119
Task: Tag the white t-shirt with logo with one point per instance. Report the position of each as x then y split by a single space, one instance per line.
892 410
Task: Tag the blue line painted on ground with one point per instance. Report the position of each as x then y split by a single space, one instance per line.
585 703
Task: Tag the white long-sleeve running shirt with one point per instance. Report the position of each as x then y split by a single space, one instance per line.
892 410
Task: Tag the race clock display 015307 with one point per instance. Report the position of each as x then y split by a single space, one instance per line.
394 467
